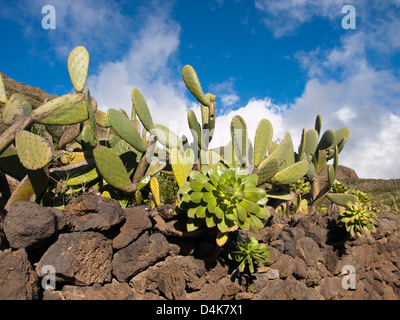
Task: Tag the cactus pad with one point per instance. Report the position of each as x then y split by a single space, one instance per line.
64 110
166 137
291 174
342 198
262 140
126 130
78 66
112 169
34 152
142 110
193 84
15 108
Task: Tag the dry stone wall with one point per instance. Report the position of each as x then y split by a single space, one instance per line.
95 250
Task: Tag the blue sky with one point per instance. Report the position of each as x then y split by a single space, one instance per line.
284 60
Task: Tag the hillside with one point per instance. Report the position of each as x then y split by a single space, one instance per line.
35 96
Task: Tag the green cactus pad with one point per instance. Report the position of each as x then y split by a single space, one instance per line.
302 146
268 171
289 160
193 84
142 110
263 138
84 178
327 139
194 126
15 108
126 130
166 137
311 172
78 66
239 137
291 174
112 169
102 119
3 95
341 198
91 122
64 110
34 152
318 124
280 154
311 142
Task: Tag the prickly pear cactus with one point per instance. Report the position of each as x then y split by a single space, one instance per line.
142 110
262 140
34 152
78 66
126 130
112 169
65 110
15 108
193 84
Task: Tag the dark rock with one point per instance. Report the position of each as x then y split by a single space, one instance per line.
289 243
308 250
331 288
80 258
170 278
18 280
109 291
29 225
95 213
282 290
285 265
139 255
300 268
136 222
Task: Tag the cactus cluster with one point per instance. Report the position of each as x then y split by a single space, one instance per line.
227 188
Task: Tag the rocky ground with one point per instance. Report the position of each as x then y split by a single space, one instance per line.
100 251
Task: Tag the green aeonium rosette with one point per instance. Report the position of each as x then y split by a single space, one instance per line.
226 198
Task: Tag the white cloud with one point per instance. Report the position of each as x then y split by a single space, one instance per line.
252 113
225 93
145 67
283 17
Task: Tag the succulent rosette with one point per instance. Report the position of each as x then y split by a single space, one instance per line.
358 219
250 252
226 198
